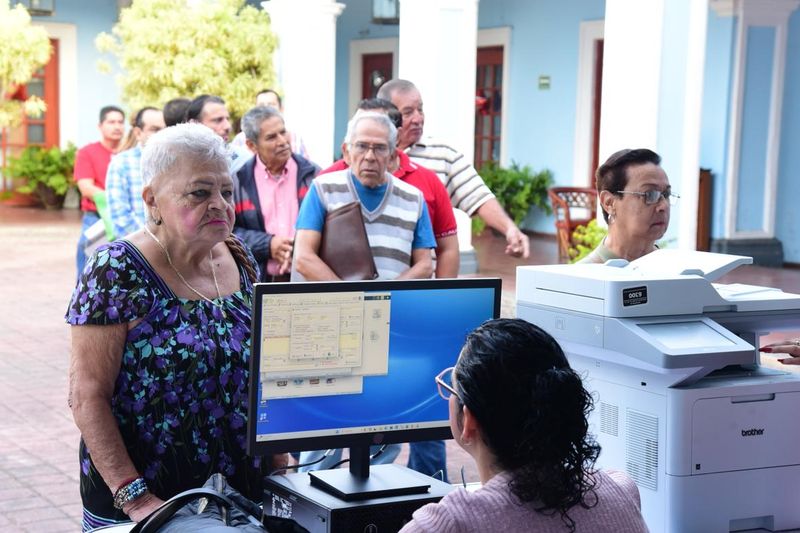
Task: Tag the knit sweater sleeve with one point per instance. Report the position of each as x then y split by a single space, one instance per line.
494 508
462 511
435 517
627 485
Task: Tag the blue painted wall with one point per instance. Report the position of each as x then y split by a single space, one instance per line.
715 122
541 123
544 41
787 222
94 89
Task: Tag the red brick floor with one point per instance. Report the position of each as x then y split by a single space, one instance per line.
38 440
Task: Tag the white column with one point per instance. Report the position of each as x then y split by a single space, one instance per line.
438 49
632 37
653 62
306 31
438 41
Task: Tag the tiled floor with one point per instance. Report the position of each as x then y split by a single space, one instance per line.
38 440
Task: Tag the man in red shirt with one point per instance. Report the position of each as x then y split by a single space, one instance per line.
91 164
436 197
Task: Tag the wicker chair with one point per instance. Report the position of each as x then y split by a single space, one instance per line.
572 207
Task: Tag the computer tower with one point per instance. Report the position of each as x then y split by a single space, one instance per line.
292 496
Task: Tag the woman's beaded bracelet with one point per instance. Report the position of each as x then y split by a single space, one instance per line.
129 492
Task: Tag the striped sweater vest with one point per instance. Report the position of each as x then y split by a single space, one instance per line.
390 227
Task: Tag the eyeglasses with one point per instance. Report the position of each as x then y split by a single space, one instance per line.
444 382
359 148
654 196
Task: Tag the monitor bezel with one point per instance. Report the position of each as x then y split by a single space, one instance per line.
442 432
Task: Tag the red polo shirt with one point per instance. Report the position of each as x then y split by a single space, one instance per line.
91 162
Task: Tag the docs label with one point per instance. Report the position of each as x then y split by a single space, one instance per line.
634 296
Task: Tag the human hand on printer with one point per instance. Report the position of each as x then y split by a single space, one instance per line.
790 347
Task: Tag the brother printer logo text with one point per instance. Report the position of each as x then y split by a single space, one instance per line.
754 432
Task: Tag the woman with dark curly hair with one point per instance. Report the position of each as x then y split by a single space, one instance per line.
520 411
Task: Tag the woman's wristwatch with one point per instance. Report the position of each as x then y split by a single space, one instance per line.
129 491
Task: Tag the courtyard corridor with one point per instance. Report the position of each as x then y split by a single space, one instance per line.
38 440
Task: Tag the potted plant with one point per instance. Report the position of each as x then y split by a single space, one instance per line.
46 173
517 189
585 239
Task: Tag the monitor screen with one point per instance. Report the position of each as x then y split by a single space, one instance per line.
349 364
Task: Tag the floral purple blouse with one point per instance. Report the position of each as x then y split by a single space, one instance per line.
180 398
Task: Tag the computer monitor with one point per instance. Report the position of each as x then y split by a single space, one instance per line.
352 364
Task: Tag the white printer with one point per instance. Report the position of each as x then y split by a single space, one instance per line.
682 403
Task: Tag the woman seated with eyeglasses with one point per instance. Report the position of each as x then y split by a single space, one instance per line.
635 197
520 411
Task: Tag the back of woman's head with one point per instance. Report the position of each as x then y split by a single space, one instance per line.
532 409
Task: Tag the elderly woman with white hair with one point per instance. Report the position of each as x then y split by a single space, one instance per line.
161 341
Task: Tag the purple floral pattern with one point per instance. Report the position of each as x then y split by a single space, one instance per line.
180 398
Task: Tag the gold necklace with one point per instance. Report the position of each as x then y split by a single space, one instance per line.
213 274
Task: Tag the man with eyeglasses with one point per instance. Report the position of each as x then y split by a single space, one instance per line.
395 215
635 196
436 196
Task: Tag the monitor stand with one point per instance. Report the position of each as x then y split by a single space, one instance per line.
361 483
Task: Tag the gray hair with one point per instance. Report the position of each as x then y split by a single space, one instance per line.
190 143
396 85
252 120
380 118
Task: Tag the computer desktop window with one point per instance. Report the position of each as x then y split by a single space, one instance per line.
349 362
323 344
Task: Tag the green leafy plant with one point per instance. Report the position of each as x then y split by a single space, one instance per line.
23 49
585 239
46 172
169 48
517 189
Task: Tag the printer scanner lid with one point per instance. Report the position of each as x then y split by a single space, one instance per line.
707 265
663 282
